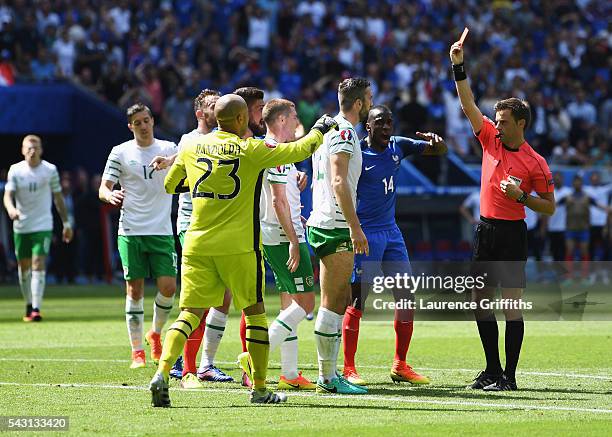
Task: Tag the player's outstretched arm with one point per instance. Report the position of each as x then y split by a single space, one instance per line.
435 144
176 178
60 205
162 162
468 105
339 172
268 156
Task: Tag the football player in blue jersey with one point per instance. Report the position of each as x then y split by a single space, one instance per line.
382 154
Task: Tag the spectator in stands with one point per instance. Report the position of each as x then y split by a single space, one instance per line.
598 243
178 113
582 110
412 115
397 45
564 154
578 225
556 224
600 155
559 123
65 51
7 69
43 66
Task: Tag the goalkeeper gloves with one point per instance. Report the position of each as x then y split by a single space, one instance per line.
325 124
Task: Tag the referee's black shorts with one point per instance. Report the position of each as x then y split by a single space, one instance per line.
500 252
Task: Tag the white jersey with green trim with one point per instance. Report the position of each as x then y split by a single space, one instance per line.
33 188
272 232
326 212
146 207
185 207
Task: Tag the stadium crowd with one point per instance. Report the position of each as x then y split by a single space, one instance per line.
555 54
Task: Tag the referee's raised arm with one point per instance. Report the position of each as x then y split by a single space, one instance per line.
468 105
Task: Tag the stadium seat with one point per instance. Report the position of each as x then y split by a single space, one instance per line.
463 250
423 251
443 250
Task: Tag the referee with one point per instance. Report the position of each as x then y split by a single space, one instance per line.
511 170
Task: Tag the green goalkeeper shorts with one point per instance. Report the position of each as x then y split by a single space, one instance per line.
32 244
300 281
144 256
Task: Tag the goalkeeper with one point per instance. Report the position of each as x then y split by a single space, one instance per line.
224 174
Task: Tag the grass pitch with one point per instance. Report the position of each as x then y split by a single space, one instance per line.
75 363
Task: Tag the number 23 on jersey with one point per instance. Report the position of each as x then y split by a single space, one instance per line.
209 166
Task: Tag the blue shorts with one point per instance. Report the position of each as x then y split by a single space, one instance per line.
580 236
388 255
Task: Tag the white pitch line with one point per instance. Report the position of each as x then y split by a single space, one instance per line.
365 366
378 398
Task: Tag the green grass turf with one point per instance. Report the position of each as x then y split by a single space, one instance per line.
75 363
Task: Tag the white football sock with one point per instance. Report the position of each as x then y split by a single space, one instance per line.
289 356
161 310
38 288
25 284
327 338
134 318
286 322
215 327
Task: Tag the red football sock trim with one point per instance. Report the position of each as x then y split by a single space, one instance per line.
350 334
403 325
243 333
192 346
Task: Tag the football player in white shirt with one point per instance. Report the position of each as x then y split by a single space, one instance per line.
284 246
145 239
334 231
27 198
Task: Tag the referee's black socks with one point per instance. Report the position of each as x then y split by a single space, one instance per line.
489 335
515 330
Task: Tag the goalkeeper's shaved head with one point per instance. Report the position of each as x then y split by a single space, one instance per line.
232 114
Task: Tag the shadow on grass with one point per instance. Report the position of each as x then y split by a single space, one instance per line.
352 406
463 393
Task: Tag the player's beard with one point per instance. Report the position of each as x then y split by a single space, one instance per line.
259 130
363 114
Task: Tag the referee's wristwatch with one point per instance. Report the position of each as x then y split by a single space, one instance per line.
523 198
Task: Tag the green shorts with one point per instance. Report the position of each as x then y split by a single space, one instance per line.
181 236
32 244
327 241
205 278
300 281
144 256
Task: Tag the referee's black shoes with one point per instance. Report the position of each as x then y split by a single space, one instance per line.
503 383
484 380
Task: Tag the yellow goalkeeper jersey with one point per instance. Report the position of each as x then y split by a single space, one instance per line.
223 173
